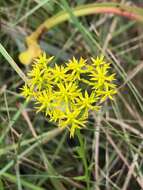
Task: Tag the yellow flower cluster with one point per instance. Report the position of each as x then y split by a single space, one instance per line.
67 93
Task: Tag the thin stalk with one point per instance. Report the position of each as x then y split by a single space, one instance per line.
84 160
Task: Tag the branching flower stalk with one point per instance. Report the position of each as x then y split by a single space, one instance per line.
67 93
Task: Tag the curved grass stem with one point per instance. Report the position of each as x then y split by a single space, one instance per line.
34 49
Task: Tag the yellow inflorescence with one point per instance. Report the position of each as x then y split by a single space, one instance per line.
67 93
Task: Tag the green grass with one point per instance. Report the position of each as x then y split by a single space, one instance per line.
34 153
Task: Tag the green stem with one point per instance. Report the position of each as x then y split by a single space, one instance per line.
84 160
26 184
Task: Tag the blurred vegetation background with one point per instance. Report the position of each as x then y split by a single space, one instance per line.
34 154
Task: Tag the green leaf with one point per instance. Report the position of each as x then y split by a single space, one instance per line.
1 185
80 178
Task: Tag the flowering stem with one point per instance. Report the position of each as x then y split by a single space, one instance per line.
83 157
34 49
